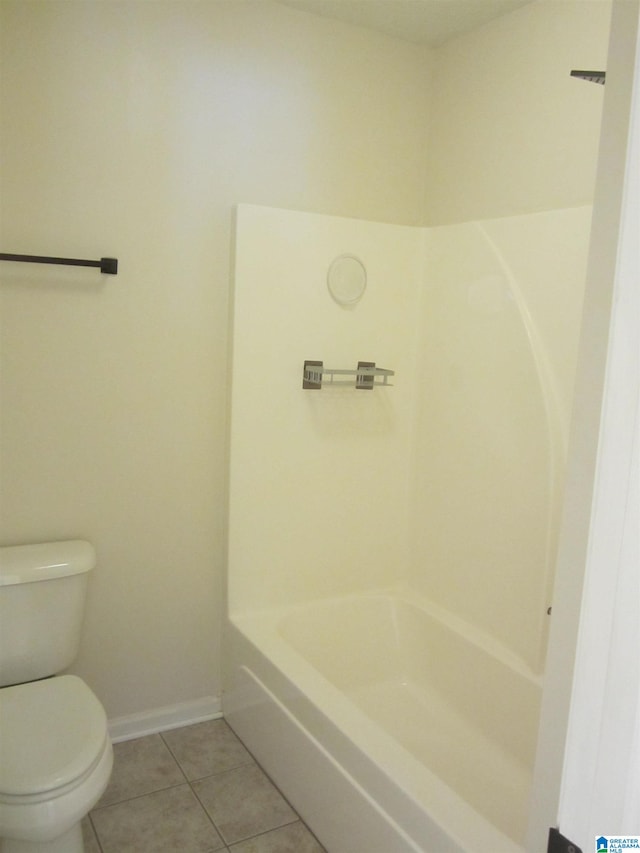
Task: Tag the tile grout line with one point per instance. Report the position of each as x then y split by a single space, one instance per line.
138 796
212 821
297 819
95 833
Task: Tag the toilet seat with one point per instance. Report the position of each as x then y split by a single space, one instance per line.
53 735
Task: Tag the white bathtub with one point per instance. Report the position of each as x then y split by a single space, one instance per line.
388 727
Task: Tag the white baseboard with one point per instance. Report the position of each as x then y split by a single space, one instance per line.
165 718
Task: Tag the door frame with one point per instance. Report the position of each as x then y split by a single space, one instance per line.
587 772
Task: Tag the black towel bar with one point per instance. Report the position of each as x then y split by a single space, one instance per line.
106 265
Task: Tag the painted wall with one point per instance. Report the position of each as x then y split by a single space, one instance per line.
512 132
133 129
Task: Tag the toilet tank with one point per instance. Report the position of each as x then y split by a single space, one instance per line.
42 596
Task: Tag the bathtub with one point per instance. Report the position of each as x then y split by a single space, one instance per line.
389 726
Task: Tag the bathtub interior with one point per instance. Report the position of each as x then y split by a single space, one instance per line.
450 700
358 642
405 730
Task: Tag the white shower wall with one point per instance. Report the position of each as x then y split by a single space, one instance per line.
319 479
450 480
498 346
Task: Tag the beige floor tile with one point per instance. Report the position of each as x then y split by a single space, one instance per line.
206 748
141 766
243 802
294 838
162 822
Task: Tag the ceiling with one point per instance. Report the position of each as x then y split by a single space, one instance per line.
429 22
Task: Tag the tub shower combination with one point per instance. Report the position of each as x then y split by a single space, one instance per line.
380 681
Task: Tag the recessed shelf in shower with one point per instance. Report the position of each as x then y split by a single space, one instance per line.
364 377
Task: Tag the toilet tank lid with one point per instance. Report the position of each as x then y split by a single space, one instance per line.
45 561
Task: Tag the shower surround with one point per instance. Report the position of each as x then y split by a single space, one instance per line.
391 551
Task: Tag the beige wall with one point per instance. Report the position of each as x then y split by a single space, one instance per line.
133 129
512 132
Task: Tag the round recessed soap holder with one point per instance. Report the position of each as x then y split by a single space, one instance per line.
347 279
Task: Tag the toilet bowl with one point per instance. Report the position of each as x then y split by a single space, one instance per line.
55 752
55 763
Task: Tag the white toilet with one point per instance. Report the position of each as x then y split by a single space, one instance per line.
55 752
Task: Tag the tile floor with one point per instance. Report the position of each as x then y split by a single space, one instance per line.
194 790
